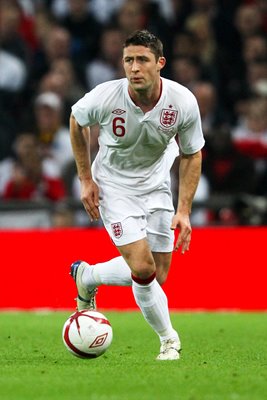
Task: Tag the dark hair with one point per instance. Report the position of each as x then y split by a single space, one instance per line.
146 39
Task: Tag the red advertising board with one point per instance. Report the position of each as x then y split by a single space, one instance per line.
225 269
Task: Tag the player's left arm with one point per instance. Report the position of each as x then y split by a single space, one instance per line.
189 175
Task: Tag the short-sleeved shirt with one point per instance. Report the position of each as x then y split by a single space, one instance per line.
137 150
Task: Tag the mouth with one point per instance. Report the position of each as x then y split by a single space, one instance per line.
136 79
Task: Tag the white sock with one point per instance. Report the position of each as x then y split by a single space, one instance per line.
154 306
115 272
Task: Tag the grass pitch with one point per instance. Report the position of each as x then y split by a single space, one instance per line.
224 357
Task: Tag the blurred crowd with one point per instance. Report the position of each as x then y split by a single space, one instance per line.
53 51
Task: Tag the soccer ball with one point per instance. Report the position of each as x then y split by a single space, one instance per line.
87 334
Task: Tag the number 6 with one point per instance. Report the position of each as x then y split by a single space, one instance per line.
118 129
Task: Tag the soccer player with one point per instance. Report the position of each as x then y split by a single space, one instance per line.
129 182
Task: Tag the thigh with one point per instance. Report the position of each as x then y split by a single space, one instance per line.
139 258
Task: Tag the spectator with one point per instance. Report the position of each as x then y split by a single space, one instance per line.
11 38
256 71
248 20
62 80
211 111
55 44
27 176
106 66
139 14
184 45
53 135
186 71
254 48
250 134
200 25
229 172
84 30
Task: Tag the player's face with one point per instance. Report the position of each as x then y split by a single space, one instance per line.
141 67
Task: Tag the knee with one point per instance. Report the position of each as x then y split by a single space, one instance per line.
144 270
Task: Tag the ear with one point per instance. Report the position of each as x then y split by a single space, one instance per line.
161 63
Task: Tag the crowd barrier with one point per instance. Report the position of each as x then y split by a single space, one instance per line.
225 269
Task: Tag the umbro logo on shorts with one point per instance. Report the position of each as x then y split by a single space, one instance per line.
117 229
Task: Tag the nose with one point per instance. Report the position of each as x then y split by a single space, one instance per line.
135 66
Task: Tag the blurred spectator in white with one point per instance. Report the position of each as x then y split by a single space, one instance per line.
14 63
106 66
28 6
52 133
13 72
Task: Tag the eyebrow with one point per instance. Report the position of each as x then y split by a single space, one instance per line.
144 57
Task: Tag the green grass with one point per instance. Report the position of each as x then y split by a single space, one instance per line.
224 358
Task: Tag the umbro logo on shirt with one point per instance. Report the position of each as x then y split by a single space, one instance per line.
118 111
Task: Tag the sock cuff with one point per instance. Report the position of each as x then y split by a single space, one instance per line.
145 281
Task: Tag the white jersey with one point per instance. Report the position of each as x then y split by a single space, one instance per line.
137 150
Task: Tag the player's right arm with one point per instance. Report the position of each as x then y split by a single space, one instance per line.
80 142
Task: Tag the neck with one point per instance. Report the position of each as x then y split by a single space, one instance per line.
146 99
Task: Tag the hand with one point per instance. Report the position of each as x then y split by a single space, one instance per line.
182 222
90 198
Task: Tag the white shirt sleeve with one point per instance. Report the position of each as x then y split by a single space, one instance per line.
84 110
190 135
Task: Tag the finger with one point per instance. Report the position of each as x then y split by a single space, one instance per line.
90 209
178 243
173 226
186 244
96 199
94 213
183 241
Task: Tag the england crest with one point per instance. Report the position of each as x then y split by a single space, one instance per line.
117 229
168 117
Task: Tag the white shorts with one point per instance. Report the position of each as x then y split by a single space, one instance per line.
128 218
